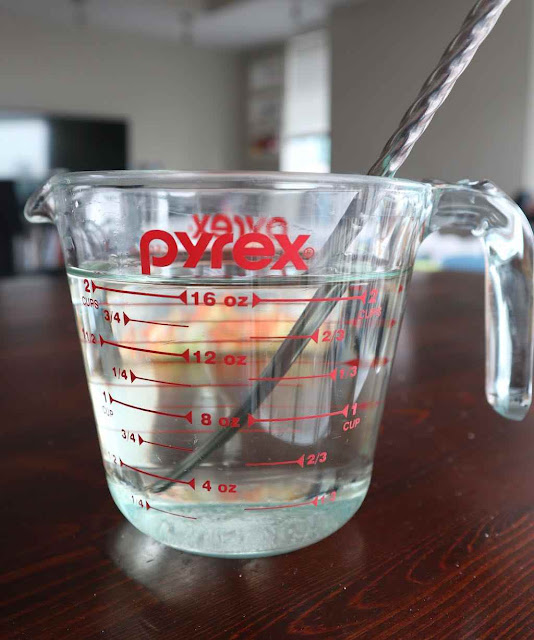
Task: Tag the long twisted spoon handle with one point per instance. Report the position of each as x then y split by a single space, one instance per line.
474 30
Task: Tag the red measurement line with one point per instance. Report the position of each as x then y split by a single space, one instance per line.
278 428
244 340
184 355
127 319
188 416
315 502
371 363
332 375
258 358
314 336
182 296
188 386
256 299
167 341
251 419
133 377
166 446
299 461
178 515
138 304
191 482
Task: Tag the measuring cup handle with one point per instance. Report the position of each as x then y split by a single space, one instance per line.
488 213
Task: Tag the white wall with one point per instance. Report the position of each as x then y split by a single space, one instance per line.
382 52
528 173
181 102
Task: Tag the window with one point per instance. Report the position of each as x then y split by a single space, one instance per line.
24 147
305 144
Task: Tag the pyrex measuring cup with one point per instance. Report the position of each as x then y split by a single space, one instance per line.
185 286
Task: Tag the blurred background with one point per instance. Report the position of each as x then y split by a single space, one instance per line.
292 85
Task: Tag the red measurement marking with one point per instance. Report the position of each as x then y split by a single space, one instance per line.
159 444
127 319
188 416
259 358
182 296
314 336
315 502
133 377
191 482
184 354
222 341
178 515
376 362
299 461
138 304
251 419
332 375
256 299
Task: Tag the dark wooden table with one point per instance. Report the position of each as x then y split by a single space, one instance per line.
443 546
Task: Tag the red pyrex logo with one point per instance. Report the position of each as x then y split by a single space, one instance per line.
251 251
221 223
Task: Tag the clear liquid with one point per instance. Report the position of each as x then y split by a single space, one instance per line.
168 363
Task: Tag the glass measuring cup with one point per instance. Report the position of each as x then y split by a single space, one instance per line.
228 426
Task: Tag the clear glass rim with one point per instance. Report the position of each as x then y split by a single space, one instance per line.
268 180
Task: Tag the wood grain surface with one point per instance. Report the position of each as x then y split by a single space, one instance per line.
443 546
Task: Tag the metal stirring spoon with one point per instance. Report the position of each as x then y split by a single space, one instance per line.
474 30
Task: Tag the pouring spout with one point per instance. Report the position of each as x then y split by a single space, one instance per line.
39 207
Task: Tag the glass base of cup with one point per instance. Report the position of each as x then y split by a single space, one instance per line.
231 531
